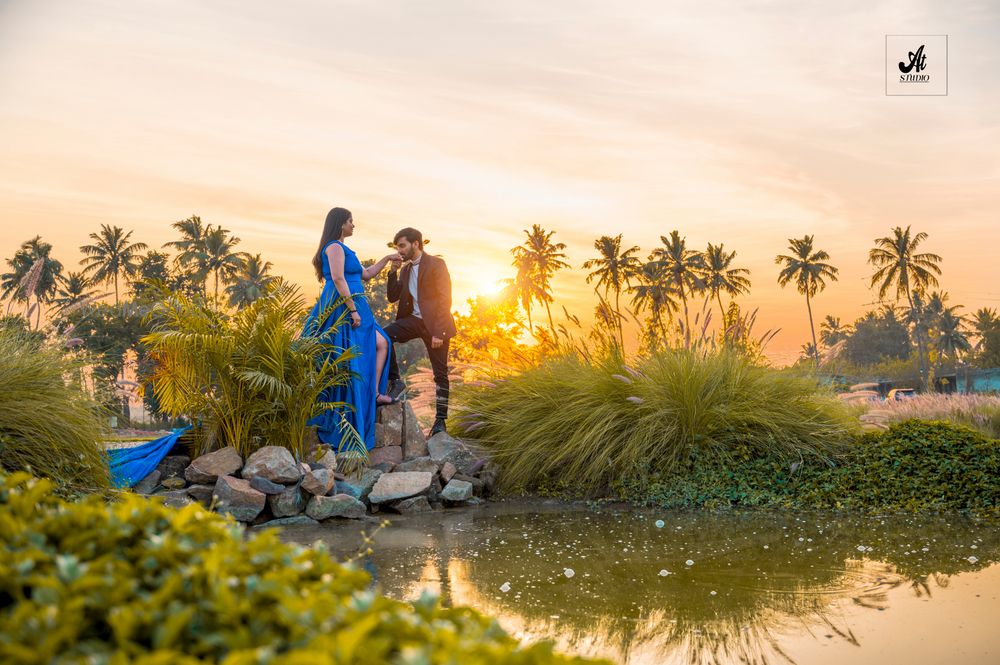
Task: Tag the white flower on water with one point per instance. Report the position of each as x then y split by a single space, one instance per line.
689 562
972 559
659 524
712 593
664 572
569 572
505 587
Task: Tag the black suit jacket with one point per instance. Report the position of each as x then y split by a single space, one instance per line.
433 292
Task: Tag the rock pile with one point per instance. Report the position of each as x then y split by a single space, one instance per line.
406 474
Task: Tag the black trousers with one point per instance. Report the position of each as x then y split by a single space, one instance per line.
412 327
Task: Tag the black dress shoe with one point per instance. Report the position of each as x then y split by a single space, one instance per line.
396 389
438 427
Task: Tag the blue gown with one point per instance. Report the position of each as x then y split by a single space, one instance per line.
359 392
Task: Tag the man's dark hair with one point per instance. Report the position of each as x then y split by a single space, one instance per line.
411 235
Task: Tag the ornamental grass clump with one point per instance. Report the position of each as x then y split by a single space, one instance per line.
582 424
48 424
135 581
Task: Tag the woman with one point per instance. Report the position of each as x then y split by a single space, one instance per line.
343 296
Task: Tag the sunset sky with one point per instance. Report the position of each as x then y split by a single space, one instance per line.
745 123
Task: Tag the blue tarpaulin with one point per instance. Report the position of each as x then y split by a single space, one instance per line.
130 465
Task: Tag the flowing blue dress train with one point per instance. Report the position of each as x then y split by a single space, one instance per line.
359 392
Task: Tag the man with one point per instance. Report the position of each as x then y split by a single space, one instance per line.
423 289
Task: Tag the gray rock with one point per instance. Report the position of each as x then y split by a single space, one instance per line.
457 490
175 498
362 484
208 468
172 466
289 521
273 463
290 502
475 501
341 505
202 494
329 460
385 455
262 484
318 482
384 467
390 417
344 487
442 448
173 483
396 486
418 464
237 498
415 504
414 441
147 484
448 471
477 483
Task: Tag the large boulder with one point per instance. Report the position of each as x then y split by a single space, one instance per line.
390 417
262 484
442 447
414 441
318 482
328 459
418 464
290 502
391 455
147 484
272 463
340 505
361 486
403 485
415 504
236 497
203 494
457 490
207 468
172 466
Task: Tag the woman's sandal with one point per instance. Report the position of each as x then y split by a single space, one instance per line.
384 400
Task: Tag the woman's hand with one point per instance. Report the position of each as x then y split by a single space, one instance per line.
355 319
395 259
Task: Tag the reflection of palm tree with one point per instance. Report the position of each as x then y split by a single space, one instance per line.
251 282
807 269
720 277
614 270
682 268
545 258
111 255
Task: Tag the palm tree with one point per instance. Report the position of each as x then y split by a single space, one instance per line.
807 269
75 288
899 266
951 338
523 285
654 292
682 268
832 331
31 259
191 247
614 269
545 258
111 255
984 321
719 276
808 351
251 282
217 256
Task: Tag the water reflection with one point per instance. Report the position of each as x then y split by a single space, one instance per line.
701 588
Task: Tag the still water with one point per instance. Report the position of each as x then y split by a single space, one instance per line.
646 586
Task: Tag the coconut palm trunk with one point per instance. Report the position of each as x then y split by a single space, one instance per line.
812 329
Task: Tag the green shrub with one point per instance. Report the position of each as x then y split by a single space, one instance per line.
915 466
577 424
249 378
134 581
47 423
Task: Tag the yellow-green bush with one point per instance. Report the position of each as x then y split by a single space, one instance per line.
136 582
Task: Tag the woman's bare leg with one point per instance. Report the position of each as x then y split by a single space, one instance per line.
381 354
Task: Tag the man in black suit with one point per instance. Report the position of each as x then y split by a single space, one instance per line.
423 289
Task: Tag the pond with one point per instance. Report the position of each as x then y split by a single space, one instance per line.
645 586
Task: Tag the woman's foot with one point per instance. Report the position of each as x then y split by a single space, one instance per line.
383 400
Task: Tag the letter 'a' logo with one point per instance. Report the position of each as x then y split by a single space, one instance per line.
918 61
916 65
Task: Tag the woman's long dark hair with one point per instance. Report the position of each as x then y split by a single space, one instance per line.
332 229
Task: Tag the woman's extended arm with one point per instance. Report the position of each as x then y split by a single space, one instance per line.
374 269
